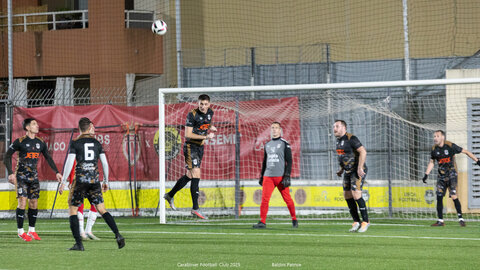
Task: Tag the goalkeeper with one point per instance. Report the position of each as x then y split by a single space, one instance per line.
276 169
444 153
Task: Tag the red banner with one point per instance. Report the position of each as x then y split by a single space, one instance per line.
253 117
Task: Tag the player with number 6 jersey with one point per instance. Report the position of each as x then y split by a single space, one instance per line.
87 151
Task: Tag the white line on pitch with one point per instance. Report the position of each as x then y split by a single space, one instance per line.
284 234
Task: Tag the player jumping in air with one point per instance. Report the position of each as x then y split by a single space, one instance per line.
444 153
197 129
276 169
25 178
351 157
86 151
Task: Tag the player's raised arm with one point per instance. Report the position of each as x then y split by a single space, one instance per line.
471 155
67 169
103 159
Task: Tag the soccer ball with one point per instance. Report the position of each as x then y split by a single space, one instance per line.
159 27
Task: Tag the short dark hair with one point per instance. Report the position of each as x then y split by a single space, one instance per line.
27 122
204 97
441 131
341 121
84 124
278 123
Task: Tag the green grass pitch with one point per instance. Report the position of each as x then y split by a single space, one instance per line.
388 244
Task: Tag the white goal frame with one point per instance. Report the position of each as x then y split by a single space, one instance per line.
290 87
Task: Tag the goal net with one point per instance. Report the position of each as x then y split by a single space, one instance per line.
395 122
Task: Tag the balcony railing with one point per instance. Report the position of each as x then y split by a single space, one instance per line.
139 18
53 20
72 19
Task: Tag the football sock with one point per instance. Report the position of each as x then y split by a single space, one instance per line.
92 216
353 209
20 218
75 229
440 207
80 222
458 206
363 209
179 185
111 223
194 190
32 217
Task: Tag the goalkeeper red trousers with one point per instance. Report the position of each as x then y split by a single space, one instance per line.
269 184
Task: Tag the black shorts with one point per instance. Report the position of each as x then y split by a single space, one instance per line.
448 180
28 188
193 155
351 181
80 191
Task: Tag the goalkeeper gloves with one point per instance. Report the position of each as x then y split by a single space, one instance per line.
424 179
260 182
286 181
478 162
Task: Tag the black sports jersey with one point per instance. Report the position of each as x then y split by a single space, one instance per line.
348 155
200 122
87 150
28 153
445 156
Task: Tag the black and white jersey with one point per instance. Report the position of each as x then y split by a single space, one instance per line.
348 155
200 122
445 156
87 150
29 151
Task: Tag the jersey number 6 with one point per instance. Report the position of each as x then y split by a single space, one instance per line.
89 153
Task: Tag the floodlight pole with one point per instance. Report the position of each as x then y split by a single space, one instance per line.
10 77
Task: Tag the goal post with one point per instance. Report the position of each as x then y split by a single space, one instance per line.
395 121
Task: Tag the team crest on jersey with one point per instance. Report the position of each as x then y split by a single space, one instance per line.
446 152
28 145
209 117
37 145
438 153
201 118
341 143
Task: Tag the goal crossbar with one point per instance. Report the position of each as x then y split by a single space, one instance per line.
294 87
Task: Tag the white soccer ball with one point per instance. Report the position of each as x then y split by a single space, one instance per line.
159 27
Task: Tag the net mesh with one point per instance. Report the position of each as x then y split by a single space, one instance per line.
394 124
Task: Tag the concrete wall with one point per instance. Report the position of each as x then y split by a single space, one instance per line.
457 129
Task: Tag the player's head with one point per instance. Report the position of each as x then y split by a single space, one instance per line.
339 128
439 137
30 125
276 130
86 126
203 103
